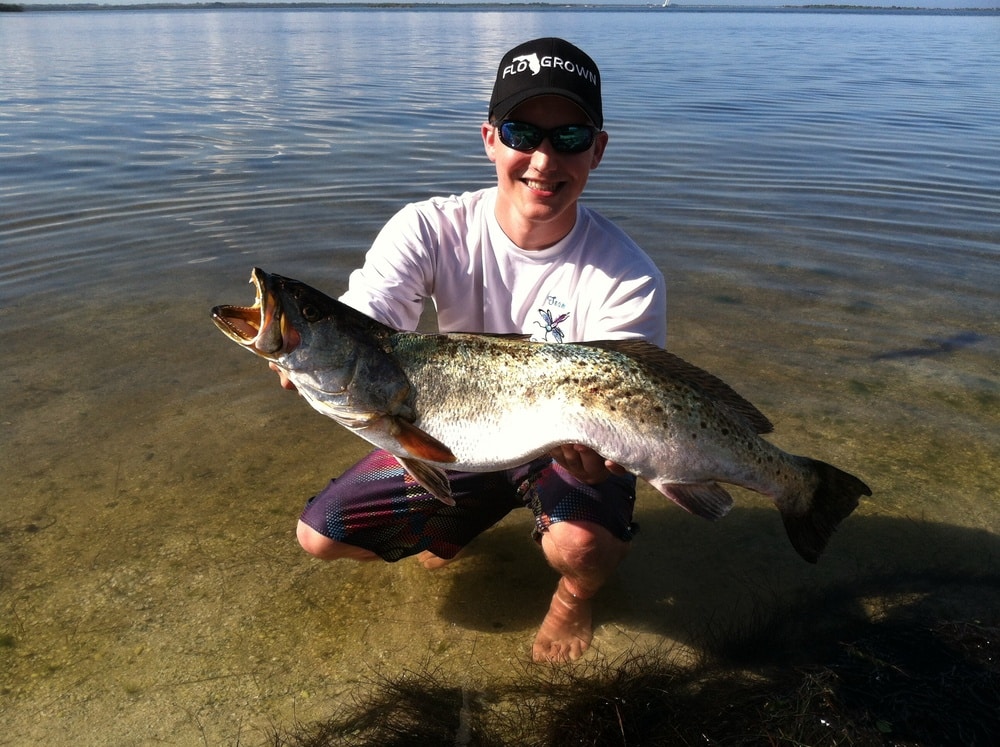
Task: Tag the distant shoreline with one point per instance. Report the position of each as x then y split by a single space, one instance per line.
21 7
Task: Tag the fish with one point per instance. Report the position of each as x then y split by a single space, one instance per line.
482 403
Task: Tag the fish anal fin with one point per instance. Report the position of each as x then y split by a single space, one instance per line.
419 443
432 479
706 499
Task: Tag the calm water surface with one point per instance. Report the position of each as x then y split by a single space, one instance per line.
822 191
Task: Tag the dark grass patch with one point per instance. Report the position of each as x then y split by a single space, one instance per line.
906 679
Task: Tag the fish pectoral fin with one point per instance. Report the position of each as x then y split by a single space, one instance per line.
706 499
419 443
432 479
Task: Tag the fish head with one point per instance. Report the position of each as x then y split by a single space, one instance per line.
334 355
273 326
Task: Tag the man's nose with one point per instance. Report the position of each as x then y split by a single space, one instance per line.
543 155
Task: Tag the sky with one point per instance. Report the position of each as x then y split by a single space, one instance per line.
748 3
933 4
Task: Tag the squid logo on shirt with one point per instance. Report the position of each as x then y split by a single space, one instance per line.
551 324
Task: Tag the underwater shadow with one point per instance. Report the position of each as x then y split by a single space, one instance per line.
893 638
909 678
686 578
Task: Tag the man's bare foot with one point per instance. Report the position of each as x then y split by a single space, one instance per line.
567 629
432 562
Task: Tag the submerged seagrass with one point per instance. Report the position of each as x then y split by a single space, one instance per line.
485 402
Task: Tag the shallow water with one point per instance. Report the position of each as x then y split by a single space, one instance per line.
820 189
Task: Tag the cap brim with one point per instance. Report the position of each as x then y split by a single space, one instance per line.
503 108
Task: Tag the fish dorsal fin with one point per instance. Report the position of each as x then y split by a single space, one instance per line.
515 336
668 364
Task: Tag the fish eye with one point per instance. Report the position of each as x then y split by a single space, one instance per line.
311 313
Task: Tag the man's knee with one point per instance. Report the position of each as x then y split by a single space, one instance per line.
583 545
322 547
312 541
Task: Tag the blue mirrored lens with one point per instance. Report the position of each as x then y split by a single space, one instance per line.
525 137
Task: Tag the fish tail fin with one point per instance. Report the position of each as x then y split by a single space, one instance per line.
836 495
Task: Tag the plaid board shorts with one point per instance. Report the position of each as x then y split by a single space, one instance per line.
376 505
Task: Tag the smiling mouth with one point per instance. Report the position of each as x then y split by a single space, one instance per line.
542 186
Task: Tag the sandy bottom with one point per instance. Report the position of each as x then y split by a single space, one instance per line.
151 590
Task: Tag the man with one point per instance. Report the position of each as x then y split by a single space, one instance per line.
521 257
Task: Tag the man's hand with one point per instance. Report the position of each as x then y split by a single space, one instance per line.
282 377
585 464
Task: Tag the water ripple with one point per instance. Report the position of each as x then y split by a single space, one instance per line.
216 136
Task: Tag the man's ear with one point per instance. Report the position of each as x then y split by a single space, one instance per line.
490 141
599 146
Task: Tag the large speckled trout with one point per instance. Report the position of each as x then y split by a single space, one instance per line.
483 402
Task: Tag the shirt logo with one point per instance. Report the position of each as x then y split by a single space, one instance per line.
551 324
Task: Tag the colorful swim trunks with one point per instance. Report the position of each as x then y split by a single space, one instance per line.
377 505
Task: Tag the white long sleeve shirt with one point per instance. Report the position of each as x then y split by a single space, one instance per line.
595 284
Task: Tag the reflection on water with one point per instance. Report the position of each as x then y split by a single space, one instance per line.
819 189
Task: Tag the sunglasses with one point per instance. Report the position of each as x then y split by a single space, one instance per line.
526 137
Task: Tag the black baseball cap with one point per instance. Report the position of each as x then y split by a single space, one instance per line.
548 66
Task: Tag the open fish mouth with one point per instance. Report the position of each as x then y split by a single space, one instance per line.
262 327
239 323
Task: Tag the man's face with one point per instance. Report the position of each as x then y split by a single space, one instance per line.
538 191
